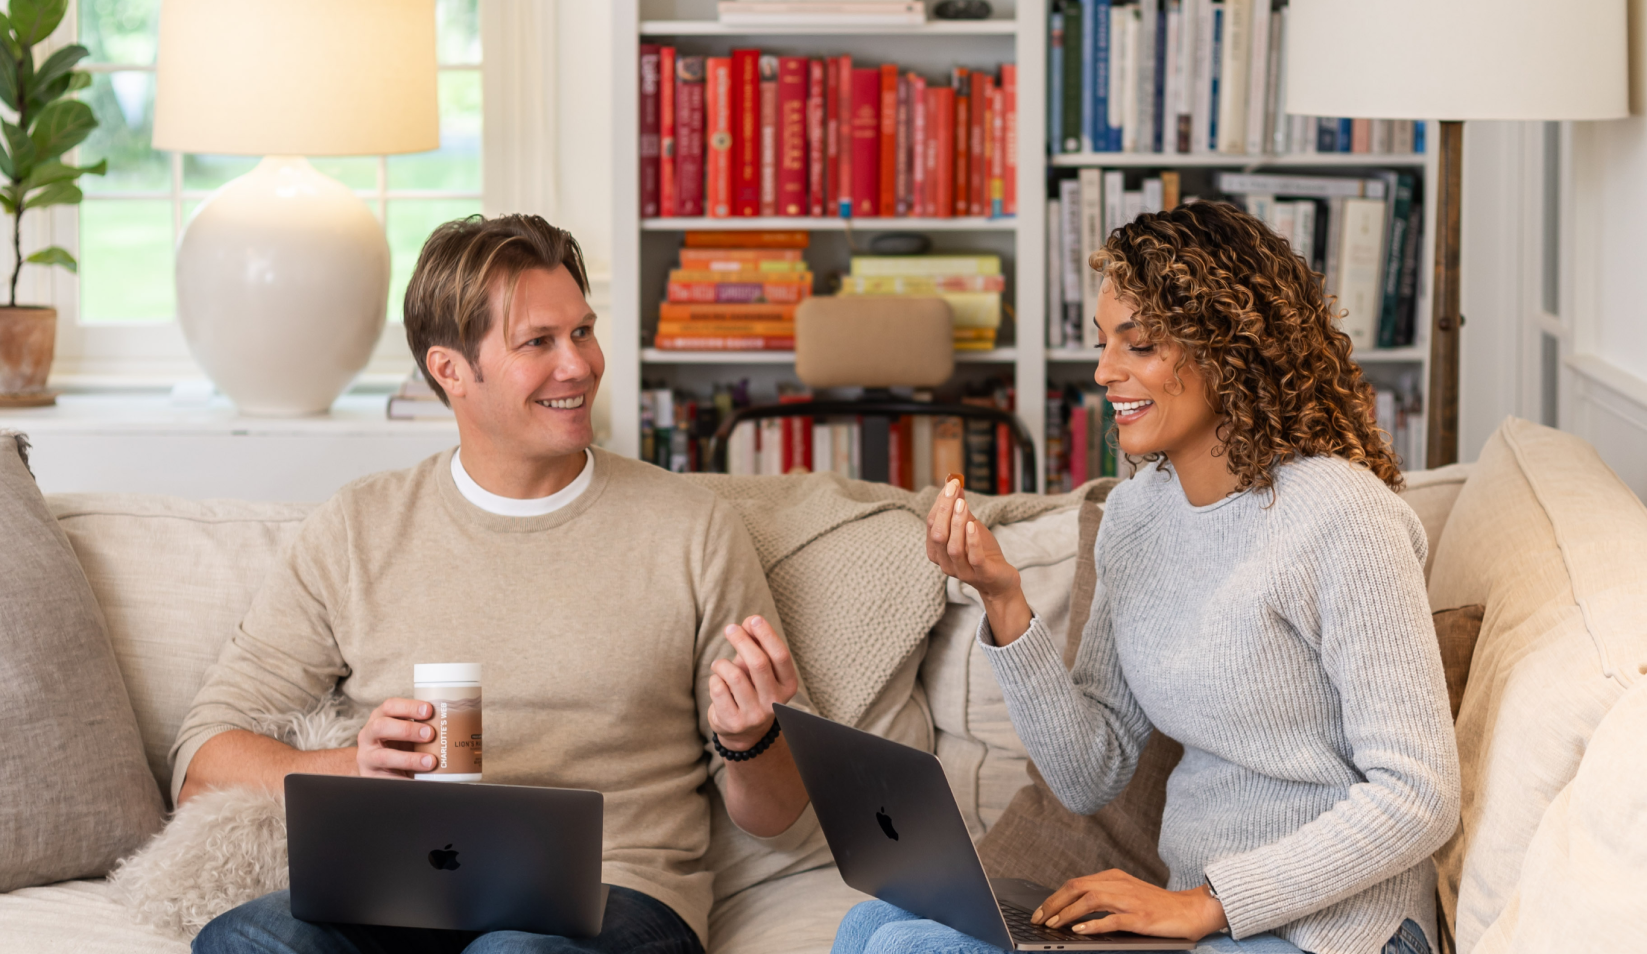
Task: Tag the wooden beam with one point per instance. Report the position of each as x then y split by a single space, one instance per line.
1445 320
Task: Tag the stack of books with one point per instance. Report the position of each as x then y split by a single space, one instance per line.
1087 209
767 13
1188 76
416 401
972 284
1080 446
1400 411
735 291
760 135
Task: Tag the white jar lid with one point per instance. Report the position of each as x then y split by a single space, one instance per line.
445 672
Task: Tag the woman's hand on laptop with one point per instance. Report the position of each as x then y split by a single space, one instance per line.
387 738
1134 905
964 548
742 691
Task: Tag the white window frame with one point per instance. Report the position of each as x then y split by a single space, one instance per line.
518 174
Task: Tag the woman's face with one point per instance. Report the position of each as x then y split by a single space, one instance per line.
1161 406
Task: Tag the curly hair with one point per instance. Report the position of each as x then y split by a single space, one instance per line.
1257 323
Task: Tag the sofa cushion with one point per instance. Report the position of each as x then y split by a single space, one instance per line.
981 753
1456 633
1431 494
76 791
1581 885
76 917
797 914
1553 544
174 577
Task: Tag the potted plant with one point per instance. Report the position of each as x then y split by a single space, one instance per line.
48 124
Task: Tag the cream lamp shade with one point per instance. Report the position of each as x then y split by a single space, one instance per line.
1458 59
297 77
283 273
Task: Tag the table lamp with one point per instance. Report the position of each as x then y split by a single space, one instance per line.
283 273
1452 60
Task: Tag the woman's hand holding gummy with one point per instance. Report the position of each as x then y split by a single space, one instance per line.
964 548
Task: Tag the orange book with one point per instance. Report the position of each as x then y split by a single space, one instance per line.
725 311
718 136
718 289
723 343
1010 159
889 138
977 169
731 329
997 151
668 202
743 259
843 138
766 239
943 147
963 142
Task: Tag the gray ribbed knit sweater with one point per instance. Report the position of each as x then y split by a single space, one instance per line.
1289 647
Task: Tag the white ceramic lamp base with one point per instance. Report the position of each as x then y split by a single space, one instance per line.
282 285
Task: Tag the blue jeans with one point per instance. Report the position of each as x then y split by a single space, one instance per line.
875 927
634 922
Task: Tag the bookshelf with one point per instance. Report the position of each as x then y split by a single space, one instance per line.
643 249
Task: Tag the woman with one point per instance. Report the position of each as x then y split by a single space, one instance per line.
1260 598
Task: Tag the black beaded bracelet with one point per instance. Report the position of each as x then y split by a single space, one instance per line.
765 743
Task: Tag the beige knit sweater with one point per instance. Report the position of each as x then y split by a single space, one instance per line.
594 625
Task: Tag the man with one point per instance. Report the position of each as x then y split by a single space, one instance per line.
600 595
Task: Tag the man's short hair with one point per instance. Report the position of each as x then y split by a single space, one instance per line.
448 300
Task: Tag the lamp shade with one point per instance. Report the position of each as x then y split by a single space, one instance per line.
297 77
1457 59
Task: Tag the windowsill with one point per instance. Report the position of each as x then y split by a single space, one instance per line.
157 411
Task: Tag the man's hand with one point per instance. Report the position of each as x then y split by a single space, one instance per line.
388 736
1134 905
964 548
743 691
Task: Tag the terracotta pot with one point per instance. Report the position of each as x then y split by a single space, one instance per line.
28 336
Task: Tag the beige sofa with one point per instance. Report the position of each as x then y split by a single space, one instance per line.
1539 531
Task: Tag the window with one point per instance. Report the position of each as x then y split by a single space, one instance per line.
130 220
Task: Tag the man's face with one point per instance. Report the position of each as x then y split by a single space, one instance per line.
539 369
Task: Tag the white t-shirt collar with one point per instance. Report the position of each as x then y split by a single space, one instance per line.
515 507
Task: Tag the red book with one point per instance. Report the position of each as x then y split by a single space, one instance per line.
797 436
903 177
977 167
866 143
668 199
815 137
718 125
889 141
648 129
689 135
723 343
832 138
1003 459
844 76
792 82
918 138
746 133
997 151
1078 444
769 135
1009 93
943 151
895 439
962 139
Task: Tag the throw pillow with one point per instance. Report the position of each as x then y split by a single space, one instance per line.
1037 837
1456 631
77 791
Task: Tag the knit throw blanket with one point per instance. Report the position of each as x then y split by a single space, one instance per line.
846 561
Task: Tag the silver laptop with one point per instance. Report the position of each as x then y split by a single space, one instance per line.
466 857
896 833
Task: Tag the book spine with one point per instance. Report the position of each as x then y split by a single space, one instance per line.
1235 51
671 311
689 121
943 173
1123 75
895 454
767 66
730 329
736 259
1055 79
792 128
1346 134
1258 77
1079 435
1201 84
746 133
919 136
1406 313
1055 274
1095 78
888 142
1389 307
846 177
668 197
718 124
713 292
723 343
962 139
1361 135
1010 139
1143 74
1091 239
832 139
1275 115
866 145
977 161
1003 459
815 149
1172 73
1161 120
649 58
997 152
902 138
1220 23
1076 80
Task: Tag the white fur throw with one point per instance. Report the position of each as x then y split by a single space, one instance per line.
224 848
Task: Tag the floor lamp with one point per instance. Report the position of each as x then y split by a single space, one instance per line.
1455 60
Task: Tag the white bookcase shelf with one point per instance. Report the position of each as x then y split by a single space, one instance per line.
643 248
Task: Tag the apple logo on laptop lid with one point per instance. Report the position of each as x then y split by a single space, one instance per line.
882 819
444 859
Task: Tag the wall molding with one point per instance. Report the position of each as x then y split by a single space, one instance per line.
1608 408
518 90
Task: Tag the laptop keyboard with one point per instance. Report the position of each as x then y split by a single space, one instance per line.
1019 924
